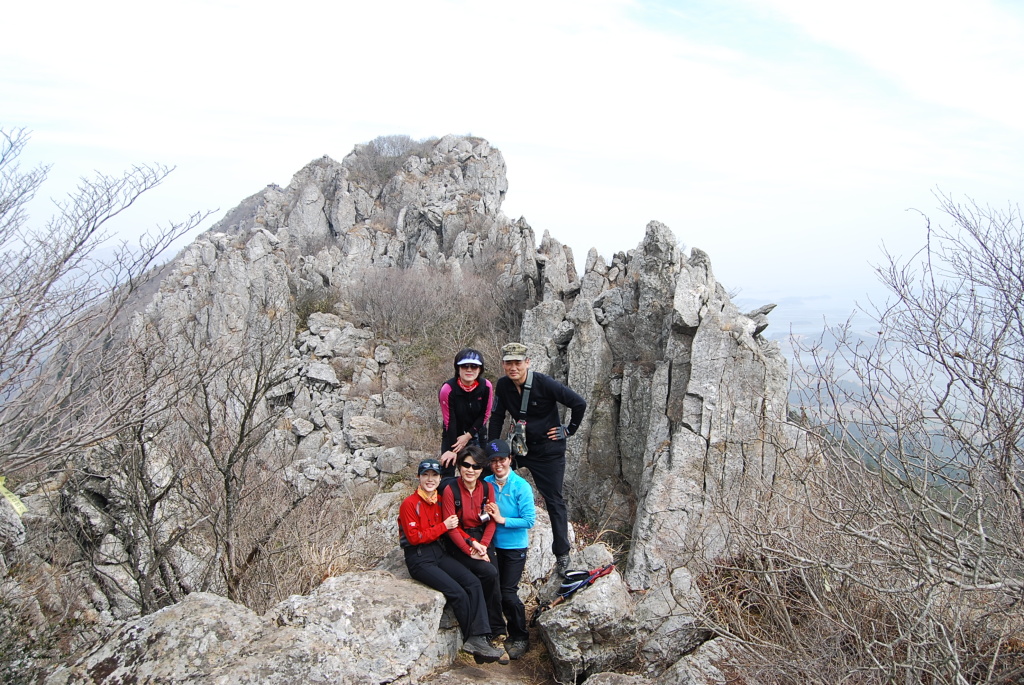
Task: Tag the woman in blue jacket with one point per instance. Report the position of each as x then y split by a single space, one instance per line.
513 512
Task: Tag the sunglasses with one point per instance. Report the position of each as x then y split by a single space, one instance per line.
469 366
467 465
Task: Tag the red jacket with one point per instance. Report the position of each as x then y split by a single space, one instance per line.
419 521
469 517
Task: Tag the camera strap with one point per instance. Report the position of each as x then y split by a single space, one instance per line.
526 392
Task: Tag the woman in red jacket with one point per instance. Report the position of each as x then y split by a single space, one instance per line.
470 540
421 526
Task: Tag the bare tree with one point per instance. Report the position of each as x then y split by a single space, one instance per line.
900 556
228 426
174 426
195 491
61 302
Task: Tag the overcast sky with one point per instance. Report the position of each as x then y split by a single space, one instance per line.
786 138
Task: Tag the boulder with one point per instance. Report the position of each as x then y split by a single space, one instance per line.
366 431
592 632
355 628
302 427
391 459
180 644
322 373
618 679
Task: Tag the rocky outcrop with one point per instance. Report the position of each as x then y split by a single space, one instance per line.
607 626
442 205
371 627
355 628
686 412
685 398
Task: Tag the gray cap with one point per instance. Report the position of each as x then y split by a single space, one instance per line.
513 352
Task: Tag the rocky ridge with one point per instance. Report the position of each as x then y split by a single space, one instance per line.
686 407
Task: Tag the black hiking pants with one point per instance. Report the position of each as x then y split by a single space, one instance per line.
510 564
432 566
487 574
547 466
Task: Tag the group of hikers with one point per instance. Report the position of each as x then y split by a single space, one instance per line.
466 534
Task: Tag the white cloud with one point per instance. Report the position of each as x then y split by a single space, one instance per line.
961 54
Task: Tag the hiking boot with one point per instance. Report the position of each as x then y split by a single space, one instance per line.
562 564
477 646
517 648
498 643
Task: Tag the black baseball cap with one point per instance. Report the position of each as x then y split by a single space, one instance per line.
429 465
497 449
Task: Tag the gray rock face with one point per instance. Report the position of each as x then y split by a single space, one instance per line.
683 396
12 530
686 408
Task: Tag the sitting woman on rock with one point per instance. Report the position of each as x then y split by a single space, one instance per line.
421 526
470 541
465 401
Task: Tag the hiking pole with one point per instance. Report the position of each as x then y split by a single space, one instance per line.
571 587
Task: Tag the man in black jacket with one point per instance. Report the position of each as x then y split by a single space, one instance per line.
545 435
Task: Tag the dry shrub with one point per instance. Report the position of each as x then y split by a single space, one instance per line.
333 532
373 164
790 623
899 557
433 313
324 301
805 598
423 435
421 305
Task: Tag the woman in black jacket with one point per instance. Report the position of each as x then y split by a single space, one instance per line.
465 401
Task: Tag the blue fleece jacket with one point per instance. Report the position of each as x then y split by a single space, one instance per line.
515 501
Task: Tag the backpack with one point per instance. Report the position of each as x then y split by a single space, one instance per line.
452 482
